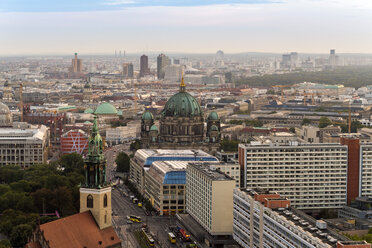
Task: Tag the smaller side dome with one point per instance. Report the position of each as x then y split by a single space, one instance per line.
87 85
213 116
89 111
147 116
214 128
154 128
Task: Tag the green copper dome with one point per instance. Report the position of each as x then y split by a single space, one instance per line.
89 111
147 116
182 104
106 109
154 128
213 116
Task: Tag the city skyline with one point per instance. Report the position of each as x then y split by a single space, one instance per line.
139 26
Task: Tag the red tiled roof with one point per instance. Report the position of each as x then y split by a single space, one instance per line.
78 230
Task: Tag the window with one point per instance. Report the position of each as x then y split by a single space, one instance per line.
105 201
89 201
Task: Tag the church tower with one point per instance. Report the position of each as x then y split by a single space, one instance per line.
87 92
95 193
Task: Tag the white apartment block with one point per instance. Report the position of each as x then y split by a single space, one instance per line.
257 226
365 170
209 195
232 170
311 176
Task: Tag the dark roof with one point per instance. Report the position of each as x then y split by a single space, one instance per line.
78 230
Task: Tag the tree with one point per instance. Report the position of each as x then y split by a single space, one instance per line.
5 244
324 122
135 145
123 162
229 145
72 162
292 129
20 234
306 121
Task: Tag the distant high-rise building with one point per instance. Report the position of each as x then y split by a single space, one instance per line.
290 60
162 62
128 70
173 73
144 65
332 57
77 65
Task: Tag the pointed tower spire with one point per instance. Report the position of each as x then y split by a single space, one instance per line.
182 85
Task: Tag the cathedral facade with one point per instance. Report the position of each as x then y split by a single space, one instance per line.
182 126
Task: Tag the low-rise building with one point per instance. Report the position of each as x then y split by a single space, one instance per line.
122 134
24 147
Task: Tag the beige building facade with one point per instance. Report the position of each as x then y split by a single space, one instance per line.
209 197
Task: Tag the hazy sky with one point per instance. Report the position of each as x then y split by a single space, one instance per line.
103 26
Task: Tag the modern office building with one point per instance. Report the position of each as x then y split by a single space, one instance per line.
209 194
265 219
332 57
128 70
312 176
144 66
24 147
165 186
162 62
144 158
173 73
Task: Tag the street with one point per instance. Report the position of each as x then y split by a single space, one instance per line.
122 207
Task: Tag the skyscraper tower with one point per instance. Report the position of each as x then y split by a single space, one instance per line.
144 65
77 65
332 57
95 193
162 62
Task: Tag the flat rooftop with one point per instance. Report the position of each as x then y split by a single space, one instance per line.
210 170
148 156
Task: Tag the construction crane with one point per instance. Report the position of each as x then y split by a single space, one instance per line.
312 98
281 87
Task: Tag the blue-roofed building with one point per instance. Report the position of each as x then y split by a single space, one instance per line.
145 158
165 186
